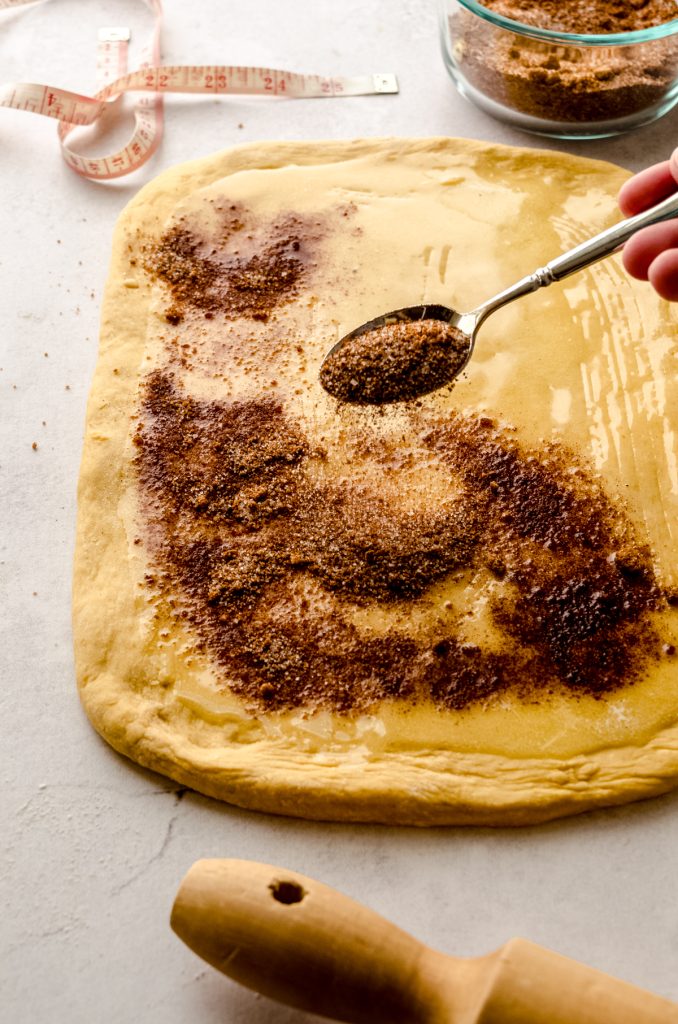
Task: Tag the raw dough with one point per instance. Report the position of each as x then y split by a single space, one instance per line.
211 448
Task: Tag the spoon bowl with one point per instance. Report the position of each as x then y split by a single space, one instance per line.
401 355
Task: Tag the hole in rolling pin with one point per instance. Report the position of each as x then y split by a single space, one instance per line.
287 892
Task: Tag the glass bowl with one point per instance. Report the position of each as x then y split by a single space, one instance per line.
560 84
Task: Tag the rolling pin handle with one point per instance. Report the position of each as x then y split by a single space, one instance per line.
300 942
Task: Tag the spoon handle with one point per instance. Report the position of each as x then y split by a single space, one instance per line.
608 241
597 248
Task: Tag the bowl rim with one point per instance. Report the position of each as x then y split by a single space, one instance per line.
666 29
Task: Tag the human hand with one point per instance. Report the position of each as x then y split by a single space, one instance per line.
652 253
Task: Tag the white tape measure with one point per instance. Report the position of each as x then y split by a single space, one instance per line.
74 110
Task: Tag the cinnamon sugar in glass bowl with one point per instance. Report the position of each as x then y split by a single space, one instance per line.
526 62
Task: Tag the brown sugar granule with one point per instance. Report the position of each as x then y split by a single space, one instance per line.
268 562
232 274
559 83
396 362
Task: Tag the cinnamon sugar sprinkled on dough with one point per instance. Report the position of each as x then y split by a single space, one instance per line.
269 564
233 275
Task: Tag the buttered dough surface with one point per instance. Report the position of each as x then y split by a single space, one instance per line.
456 610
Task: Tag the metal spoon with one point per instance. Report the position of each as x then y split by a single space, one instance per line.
467 324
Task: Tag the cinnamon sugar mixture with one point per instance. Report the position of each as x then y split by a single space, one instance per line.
231 275
271 563
587 16
241 530
570 84
395 362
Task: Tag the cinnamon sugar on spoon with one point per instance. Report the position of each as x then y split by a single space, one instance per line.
395 363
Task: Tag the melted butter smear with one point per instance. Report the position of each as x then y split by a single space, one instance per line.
590 362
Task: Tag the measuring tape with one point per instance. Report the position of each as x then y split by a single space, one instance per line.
74 110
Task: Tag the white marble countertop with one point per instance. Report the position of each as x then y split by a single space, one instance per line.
93 848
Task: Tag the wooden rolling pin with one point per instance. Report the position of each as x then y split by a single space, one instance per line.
306 945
